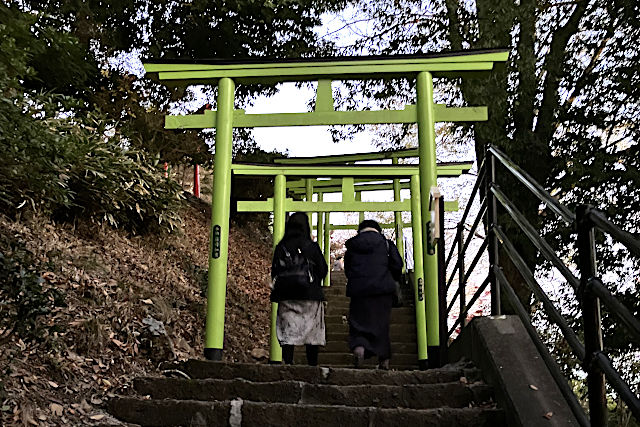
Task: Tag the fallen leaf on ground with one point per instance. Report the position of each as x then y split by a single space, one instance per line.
97 417
56 409
532 387
548 415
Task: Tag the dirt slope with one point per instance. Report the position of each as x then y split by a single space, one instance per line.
122 294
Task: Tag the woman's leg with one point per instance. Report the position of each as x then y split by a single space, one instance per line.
358 357
287 354
312 354
383 363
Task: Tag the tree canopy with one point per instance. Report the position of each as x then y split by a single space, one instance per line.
564 108
79 130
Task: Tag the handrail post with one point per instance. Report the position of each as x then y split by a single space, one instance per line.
320 227
591 318
398 220
418 275
442 290
492 217
327 246
461 285
279 220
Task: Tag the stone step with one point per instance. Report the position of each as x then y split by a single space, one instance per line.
396 318
335 291
342 346
370 365
343 299
412 396
343 309
395 329
407 337
202 369
346 359
171 412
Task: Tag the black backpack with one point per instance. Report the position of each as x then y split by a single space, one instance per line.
296 270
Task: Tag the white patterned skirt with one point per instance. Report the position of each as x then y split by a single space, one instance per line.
300 322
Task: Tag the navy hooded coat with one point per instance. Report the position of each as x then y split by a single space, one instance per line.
372 265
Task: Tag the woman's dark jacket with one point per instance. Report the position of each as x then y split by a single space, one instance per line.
317 264
372 265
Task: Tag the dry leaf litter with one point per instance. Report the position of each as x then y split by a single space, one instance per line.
131 303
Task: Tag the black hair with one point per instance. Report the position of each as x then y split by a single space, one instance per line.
297 226
369 223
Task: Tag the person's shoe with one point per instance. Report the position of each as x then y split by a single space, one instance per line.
384 365
358 357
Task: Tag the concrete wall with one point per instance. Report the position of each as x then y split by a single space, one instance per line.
510 362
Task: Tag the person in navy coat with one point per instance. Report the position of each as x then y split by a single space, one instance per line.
373 265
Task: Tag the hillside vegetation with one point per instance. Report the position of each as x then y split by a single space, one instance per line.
113 305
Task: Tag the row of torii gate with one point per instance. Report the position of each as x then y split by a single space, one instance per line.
302 178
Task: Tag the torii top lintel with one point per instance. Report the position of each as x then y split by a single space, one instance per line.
194 71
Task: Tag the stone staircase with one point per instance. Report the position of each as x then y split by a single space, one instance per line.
204 393
336 352
223 394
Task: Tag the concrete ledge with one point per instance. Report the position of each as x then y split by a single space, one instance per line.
502 349
411 396
238 413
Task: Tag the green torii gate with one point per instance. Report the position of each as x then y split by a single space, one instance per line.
228 73
320 187
345 185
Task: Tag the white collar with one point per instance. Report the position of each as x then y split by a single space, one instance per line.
368 229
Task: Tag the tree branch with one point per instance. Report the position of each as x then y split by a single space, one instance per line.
555 69
455 37
581 82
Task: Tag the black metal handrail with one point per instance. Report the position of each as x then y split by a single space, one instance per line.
532 185
596 286
472 301
589 288
535 287
462 244
600 220
476 187
534 237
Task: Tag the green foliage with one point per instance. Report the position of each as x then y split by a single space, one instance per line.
60 159
70 169
23 298
170 29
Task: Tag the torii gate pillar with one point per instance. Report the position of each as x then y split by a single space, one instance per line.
220 211
428 178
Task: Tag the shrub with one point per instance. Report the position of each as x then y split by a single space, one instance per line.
60 156
70 168
22 295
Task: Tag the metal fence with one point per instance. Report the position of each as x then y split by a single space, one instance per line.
589 289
